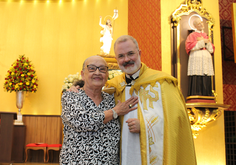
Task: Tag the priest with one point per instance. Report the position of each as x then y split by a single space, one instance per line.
158 132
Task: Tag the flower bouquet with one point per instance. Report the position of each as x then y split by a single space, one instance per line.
70 80
113 73
21 76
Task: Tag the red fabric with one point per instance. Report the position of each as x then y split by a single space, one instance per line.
37 145
191 41
54 145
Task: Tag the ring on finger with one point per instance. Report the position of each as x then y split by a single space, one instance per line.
130 106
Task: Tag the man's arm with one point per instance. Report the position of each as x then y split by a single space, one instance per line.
74 89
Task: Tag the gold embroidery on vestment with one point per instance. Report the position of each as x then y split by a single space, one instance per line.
153 157
122 83
144 95
150 123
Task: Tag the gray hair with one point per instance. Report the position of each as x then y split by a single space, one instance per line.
124 38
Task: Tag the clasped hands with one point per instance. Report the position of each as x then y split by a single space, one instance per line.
205 40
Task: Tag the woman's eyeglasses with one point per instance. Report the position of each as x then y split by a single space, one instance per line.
93 68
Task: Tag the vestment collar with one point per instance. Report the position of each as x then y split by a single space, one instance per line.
146 77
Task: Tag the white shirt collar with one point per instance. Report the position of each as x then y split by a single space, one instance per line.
135 75
199 31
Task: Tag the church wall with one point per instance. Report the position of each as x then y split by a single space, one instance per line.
229 67
144 24
210 145
57 36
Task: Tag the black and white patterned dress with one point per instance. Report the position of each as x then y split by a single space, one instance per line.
87 140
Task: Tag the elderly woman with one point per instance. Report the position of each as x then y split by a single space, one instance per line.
91 127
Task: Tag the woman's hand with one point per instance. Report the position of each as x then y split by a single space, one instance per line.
127 106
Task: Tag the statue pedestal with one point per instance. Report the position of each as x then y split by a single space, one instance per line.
19 120
200 99
203 113
111 61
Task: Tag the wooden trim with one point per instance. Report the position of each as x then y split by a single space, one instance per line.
42 115
42 129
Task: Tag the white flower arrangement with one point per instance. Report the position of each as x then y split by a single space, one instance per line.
68 82
113 73
72 78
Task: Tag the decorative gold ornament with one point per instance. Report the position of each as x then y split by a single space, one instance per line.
110 90
193 6
202 114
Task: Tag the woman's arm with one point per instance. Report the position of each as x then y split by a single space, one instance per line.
78 117
83 119
121 109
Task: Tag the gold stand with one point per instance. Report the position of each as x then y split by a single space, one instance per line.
201 114
111 61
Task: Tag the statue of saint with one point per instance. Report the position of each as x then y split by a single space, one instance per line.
106 39
200 65
107 34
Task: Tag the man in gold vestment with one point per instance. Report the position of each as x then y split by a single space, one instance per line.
158 132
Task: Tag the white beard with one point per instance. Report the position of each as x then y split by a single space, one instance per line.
130 69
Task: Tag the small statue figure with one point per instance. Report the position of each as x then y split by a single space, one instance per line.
106 38
107 34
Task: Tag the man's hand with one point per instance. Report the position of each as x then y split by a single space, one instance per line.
74 89
134 125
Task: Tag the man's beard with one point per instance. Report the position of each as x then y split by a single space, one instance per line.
129 69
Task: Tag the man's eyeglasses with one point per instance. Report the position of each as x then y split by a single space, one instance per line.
93 68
